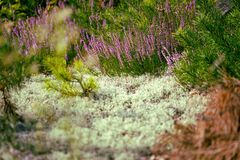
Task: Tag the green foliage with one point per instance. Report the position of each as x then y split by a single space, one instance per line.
134 15
74 80
211 47
14 67
20 9
6 131
128 14
11 65
136 66
73 77
120 16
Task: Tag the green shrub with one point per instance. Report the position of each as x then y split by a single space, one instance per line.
212 46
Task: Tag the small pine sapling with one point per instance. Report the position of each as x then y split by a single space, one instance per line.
72 77
73 80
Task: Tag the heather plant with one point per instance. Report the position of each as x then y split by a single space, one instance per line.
150 51
211 46
99 16
151 64
104 16
130 55
136 53
39 35
153 48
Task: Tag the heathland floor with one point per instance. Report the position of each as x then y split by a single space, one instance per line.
121 121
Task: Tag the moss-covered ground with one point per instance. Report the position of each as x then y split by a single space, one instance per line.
120 122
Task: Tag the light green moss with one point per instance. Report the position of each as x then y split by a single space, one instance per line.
127 114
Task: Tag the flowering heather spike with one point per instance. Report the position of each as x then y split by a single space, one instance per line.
104 47
127 51
158 38
66 57
85 47
111 50
103 4
91 3
15 31
111 3
182 23
104 23
39 11
167 6
61 4
194 5
34 33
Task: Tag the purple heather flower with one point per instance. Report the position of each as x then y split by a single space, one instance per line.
127 53
91 3
182 23
15 31
85 46
110 4
167 6
169 62
104 23
111 50
66 57
194 3
103 4
61 4
159 55
119 58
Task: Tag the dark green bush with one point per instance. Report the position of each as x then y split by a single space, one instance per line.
212 46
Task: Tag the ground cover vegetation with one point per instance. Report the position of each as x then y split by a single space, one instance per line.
101 79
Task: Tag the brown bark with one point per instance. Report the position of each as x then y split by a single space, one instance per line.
8 108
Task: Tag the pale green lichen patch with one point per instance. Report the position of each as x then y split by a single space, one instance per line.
121 121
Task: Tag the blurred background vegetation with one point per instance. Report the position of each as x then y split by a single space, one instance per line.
196 41
75 40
